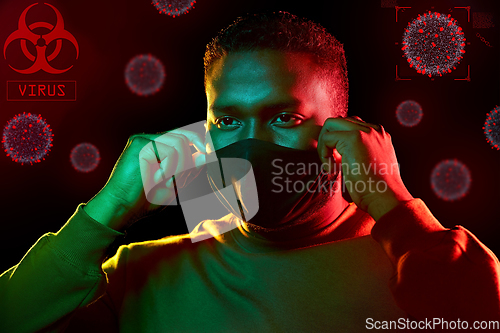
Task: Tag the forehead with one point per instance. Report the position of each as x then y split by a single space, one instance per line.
254 77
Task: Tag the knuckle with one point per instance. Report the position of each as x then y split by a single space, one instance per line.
185 134
164 151
384 131
181 131
174 139
330 120
137 140
182 138
133 137
161 137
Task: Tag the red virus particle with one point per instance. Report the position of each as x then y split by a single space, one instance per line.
27 138
144 75
450 180
409 113
174 7
85 157
433 44
492 128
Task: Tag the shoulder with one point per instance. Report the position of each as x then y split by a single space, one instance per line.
173 248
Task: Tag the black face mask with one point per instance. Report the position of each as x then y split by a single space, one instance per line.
290 184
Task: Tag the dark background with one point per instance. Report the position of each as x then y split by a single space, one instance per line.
40 198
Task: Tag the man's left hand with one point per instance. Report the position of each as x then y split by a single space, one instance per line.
369 166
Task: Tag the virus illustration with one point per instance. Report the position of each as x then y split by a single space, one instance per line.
144 75
433 44
85 157
174 7
450 180
27 138
409 113
492 128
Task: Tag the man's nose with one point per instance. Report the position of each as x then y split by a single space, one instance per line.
256 130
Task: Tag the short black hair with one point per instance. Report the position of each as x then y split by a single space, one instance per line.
285 32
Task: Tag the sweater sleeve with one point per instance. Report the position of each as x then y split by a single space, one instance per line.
61 273
440 273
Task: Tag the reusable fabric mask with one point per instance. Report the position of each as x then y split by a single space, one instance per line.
290 183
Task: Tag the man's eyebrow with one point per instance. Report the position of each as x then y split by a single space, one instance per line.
270 107
221 108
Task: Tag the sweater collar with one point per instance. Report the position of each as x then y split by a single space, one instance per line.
349 223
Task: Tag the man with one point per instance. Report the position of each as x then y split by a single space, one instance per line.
276 90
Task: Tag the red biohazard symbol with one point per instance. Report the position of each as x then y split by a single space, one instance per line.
41 60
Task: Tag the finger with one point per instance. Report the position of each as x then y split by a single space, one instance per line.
182 153
169 163
328 155
339 124
174 155
147 161
343 124
360 121
182 146
167 158
194 138
151 173
323 150
335 124
153 161
199 159
184 177
331 146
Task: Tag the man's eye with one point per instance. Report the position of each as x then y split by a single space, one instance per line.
287 120
226 123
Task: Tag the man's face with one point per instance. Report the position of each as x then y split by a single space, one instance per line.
267 95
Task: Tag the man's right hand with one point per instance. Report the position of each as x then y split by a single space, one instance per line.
122 201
